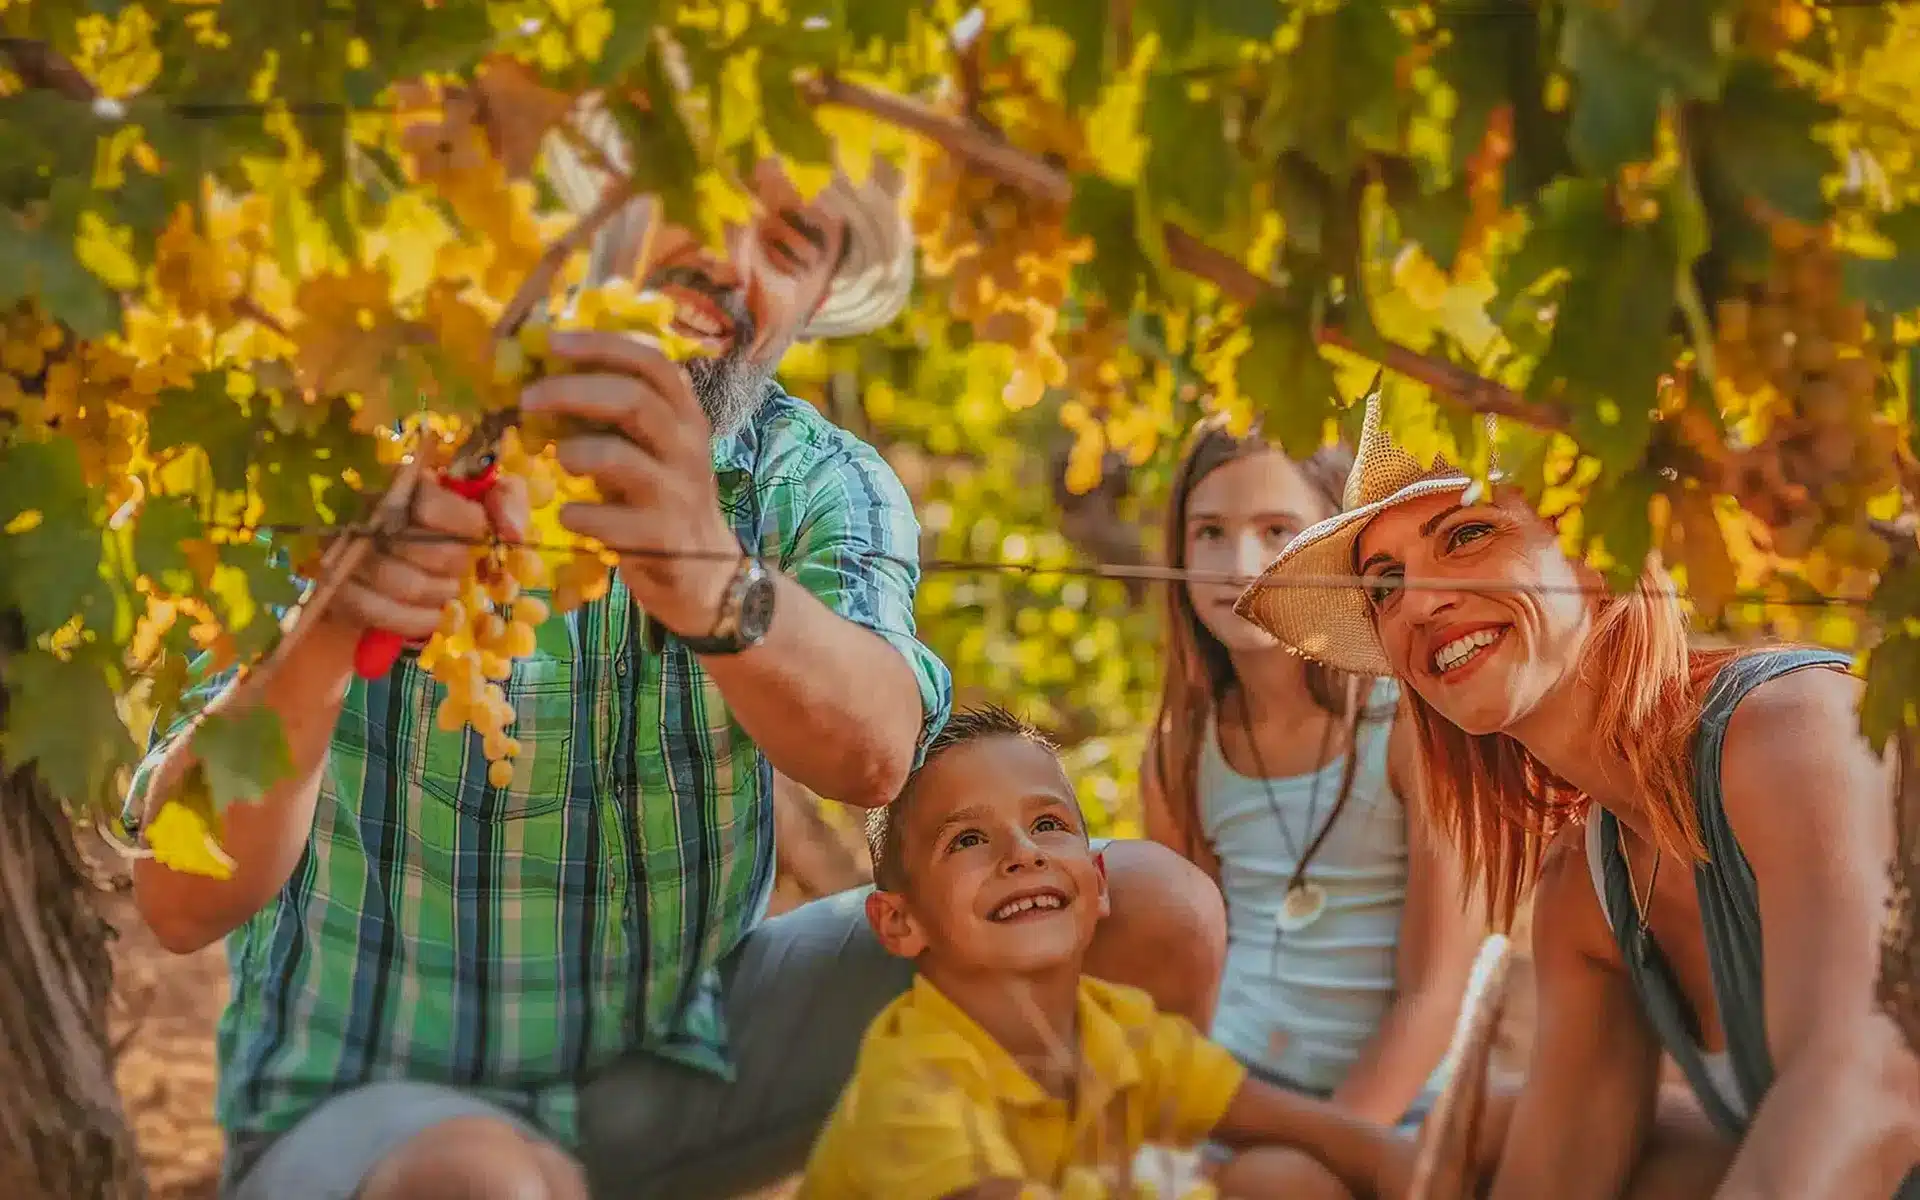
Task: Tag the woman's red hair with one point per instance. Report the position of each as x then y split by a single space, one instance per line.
1502 806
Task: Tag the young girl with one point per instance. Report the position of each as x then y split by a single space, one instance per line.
1348 947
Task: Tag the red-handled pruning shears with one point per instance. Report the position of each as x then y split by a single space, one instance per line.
472 473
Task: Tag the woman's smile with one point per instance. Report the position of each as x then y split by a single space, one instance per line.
1461 650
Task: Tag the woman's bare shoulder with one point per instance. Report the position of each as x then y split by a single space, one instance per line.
1797 738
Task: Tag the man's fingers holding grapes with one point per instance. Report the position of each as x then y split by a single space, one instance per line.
654 468
404 586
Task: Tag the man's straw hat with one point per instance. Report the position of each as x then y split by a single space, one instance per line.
870 286
1333 624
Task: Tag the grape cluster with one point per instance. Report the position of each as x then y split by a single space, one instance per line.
1794 349
495 618
1008 253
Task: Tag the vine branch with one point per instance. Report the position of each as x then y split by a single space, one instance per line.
1022 170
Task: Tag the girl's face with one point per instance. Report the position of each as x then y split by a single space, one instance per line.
1483 657
1238 519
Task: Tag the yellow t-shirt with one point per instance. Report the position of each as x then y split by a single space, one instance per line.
936 1105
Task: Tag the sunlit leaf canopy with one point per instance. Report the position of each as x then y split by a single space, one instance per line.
1672 244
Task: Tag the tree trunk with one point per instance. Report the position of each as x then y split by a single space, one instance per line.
1899 955
63 1131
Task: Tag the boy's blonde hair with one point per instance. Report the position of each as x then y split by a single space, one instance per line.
965 726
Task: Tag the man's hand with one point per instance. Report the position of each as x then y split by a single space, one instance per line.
405 588
660 505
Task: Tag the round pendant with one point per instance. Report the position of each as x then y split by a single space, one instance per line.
1302 907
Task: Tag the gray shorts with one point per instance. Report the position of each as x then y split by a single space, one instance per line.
799 992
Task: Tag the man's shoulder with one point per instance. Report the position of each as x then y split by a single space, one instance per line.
794 442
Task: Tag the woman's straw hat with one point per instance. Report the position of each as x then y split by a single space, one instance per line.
1294 599
870 286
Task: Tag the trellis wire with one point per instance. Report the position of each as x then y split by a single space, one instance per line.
1097 569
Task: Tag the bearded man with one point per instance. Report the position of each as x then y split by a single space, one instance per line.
443 988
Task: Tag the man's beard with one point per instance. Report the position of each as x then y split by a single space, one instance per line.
731 387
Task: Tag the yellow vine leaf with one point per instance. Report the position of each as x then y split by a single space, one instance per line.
107 251
182 839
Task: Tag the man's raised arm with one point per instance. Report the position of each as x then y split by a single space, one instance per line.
403 591
838 695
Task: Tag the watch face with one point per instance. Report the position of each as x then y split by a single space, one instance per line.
756 608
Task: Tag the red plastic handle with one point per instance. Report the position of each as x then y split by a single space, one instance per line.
378 649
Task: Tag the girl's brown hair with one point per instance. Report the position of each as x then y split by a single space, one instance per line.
1198 670
1501 806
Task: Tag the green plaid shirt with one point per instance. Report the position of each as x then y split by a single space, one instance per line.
512 941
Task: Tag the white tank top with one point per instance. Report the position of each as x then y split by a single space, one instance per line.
1303 1005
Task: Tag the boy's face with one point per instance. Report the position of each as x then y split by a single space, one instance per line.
998 875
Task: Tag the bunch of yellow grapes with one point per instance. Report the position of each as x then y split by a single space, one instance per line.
1007 252
1794 350
495 618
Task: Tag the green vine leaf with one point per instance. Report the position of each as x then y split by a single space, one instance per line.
64 721
245 753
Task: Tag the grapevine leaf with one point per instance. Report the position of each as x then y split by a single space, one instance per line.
285 487
245 753
1181 22
70 729
1758 142
1085 24
1256 20
1188 159
664 156
252 586
51 568
869 21
1893 283
412 39
1711 577
1897 596
204 415
1103 212
632 32
1334 94
1282 373
1892 666
788 118
1481 40
1615 518
62 559
1679 38
1560 238
41 264
1176 21
166 523
1436 219
1609 345
1617 110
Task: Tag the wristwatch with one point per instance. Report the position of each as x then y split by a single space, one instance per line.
746 610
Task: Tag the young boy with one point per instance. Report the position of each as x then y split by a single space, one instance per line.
1003 1072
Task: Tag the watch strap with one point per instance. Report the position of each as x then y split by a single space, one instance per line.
726 637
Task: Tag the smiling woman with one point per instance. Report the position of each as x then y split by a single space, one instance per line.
1572 738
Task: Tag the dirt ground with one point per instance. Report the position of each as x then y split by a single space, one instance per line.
167 1008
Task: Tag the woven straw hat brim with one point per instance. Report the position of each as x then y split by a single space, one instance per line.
1329 623
875 276
868 290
